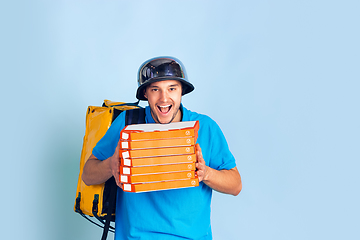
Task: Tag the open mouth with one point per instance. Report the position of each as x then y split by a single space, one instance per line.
164 109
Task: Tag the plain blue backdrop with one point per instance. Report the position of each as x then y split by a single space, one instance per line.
281 78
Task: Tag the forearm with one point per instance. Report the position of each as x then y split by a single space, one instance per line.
96 171
225 181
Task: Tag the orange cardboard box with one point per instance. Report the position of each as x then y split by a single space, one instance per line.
152 131
157 169
157 177
137 162
160 143
156 186
156 152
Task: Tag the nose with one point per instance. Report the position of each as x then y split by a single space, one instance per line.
164 97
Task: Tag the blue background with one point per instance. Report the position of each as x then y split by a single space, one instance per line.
281 78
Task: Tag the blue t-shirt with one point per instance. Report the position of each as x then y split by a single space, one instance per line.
168 214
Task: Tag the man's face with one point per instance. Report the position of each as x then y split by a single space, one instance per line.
164 99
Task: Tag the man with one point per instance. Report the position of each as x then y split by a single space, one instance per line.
169 214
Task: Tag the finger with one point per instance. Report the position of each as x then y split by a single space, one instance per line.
116 175
200 164
197 147
199 157
200 175
118 182
200 169
197 152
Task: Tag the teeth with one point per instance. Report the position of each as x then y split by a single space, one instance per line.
165 106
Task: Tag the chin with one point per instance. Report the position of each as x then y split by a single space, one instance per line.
164 121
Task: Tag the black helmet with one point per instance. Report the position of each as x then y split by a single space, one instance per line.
160 69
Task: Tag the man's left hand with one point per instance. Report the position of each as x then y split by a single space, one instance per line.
202 169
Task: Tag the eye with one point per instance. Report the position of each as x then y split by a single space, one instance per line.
172 89
154 90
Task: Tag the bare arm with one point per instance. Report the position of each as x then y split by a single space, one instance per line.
97 172
225 181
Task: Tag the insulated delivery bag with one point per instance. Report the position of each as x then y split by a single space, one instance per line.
97 200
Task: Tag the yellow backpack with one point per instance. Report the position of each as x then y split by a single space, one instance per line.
98 200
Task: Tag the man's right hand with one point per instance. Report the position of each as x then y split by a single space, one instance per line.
97 171
115 165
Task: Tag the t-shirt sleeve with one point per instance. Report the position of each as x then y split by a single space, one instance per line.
105 148
218 151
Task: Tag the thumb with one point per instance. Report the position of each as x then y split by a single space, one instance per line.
197 147
199 155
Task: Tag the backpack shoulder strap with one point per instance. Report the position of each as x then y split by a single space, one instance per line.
135 116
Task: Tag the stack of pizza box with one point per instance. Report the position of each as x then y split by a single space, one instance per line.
158 156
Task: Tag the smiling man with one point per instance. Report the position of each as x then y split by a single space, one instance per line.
169 214
164 99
